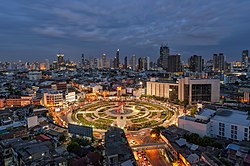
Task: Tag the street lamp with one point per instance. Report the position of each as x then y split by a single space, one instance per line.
153 135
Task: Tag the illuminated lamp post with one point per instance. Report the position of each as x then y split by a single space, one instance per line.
119 88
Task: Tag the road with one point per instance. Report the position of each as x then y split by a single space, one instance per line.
153 156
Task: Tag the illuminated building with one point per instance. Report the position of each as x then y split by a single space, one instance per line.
163 59
219 62
60 59
187 89
53 99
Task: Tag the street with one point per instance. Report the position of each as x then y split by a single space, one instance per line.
148 157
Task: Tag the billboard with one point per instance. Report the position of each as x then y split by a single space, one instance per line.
80 130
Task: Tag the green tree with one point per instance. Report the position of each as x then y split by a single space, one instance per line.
193 111
62 138
72 145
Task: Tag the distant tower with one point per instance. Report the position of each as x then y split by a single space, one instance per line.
219 62
125 62
195 63
140 64
163 59
245 59
60 59
174 63
104 61
47 64
117 59
133 62
147 63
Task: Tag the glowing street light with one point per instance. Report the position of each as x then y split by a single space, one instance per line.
153 135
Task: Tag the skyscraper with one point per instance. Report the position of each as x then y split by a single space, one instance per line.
104 61
133 62
219 62
125 62
147 63
163 59
60 59
195 63
117 59
245 59
174 63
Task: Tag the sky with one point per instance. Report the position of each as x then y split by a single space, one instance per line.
39 29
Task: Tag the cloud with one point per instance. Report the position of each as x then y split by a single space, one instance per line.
139 25
50 31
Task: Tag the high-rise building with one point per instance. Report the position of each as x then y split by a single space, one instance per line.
125 62
111 63
245 59
174 63
60 59
163 59
104 61
219 62
47 64
117 59
140 64
147 63
133 62
195 63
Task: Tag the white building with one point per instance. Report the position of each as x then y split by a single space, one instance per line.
53 99
70 97
229 124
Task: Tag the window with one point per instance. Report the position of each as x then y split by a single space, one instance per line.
201 92
246 134
221 129
234 132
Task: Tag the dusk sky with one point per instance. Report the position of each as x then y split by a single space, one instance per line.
38 30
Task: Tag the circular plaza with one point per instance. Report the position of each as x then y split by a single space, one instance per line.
131 115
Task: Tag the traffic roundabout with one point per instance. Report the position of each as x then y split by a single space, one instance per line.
131 115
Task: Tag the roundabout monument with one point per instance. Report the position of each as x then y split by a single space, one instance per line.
126 114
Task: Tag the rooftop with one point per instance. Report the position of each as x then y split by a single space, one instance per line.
232 116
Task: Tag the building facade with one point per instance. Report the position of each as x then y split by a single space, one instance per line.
219 62
195 63
191 90
174 63
228 124
53 99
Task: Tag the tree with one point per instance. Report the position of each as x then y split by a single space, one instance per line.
193 111
72 145
62 138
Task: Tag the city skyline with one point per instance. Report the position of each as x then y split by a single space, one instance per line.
38 31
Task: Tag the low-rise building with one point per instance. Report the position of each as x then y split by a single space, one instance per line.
224 123
35 75
16 129
53 99
36 153
70 97
117 149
